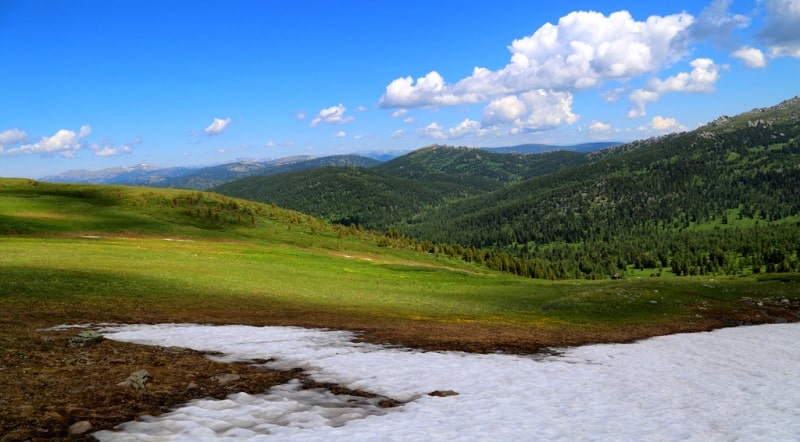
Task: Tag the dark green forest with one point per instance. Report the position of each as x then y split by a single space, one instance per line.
721 199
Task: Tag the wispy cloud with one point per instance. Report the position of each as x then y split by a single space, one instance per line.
10 137
781 32
110 149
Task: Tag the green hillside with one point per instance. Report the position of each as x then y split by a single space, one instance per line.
717 200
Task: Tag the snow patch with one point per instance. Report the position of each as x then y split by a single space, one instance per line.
736 383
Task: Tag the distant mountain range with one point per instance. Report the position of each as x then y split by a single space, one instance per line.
203 178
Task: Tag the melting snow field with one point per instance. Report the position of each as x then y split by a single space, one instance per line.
731 384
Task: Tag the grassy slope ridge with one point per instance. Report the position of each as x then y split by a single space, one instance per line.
77 246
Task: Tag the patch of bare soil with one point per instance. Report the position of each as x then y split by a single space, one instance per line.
49 384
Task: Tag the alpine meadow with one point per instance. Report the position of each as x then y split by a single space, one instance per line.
688 232
417 221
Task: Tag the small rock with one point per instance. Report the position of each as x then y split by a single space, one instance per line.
80 427
443 393
226 378
191 386
137 380
86 337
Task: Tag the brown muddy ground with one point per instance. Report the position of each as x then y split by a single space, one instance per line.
47 384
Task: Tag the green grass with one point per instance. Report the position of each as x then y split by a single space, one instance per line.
104 253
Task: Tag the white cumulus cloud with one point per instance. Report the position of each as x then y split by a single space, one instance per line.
340 134
332 115
751 57
217 126
466 128
64 142
433 130
534 110
701 79
599 127
580 52
663 125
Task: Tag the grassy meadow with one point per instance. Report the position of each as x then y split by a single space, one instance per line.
89 254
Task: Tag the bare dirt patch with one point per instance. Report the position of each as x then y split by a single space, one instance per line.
47 384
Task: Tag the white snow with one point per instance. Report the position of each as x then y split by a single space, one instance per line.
731 384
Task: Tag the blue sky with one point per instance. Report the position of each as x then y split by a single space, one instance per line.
97 84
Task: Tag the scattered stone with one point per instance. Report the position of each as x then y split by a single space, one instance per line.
443 393
137 380
80 427
191 386
654 302
226 378
86 337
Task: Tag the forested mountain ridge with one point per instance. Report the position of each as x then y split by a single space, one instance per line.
721 198
477 167
348 195
749 163
525 149
394 193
